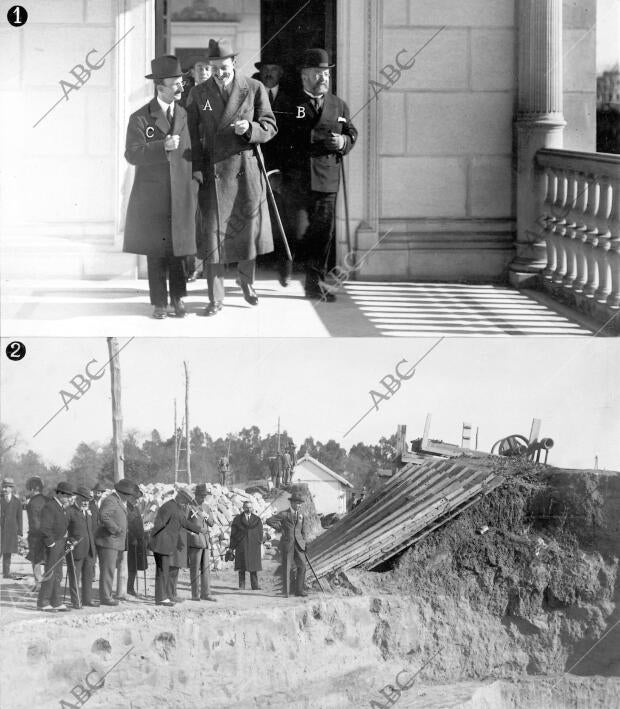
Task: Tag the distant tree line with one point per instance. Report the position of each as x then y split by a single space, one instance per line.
151 458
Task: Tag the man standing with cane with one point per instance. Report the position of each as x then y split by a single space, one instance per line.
81 559
198 548
292 524
321 134
229 115
54 533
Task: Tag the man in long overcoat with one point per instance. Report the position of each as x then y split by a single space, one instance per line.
34 507
171 518
81 559
246 538
136 542
292 524
321 133
229 116
198 547
111 537
54 533
162 206
11 524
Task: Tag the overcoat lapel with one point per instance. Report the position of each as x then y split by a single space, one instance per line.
237 97
160 119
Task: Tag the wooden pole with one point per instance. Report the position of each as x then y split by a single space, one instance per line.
117 415
176 445
189 473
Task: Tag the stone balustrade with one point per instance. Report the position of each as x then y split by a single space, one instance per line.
580 219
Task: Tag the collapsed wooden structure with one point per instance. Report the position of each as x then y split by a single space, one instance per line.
417 500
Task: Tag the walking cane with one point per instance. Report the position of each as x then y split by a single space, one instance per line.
263 170
345 195
313 571
75 579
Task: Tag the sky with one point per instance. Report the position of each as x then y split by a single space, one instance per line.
607 34
321 388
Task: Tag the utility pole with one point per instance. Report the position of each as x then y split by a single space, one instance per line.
117 416
176 445
187 447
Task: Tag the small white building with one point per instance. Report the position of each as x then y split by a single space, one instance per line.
328 489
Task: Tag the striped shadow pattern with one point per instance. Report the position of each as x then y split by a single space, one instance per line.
408 309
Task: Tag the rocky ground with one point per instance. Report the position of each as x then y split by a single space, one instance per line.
524 614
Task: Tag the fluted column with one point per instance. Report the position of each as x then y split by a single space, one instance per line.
539 123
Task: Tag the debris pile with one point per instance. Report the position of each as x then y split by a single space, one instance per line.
223 504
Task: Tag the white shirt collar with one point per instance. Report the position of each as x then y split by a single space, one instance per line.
165 106
274 90
320 97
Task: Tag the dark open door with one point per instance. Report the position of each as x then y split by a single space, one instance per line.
311 26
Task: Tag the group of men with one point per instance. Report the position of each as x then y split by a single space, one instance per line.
81 527
201 184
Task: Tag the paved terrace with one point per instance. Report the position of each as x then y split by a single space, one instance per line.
363 309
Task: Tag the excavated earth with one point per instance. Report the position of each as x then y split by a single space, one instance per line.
523 615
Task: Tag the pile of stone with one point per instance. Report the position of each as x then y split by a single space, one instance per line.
223 503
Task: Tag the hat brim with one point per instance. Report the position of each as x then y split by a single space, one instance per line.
225 56
167 76
317 66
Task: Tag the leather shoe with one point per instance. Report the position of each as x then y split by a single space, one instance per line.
209 598
166 603
90 605
159 313
249 293
179 307
303 594
109 602
212 309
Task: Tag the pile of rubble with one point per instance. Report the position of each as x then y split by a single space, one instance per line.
223 503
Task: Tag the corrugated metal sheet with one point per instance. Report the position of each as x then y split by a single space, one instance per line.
415 501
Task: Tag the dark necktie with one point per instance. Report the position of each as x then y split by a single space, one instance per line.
317 103
271 97
169 115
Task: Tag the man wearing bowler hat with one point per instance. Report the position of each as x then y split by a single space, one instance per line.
321 134
171 518
161 212
81 559
229 116
54 533
292 524
111 537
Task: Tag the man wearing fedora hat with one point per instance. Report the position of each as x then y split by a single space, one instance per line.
171 518
54 532
11 525
229 116
111 537
95 501
81 559
136 542
161 212
321 134
292 524
198 547
246 538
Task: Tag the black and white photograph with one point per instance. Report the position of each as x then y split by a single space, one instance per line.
309 345
432 522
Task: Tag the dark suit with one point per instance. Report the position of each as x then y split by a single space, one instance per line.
36 548
292 546
234 224
54 533
162 206
11 513
81 561
246 538
314 178
136 546
169 521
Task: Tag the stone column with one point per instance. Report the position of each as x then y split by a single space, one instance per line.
539 124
